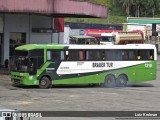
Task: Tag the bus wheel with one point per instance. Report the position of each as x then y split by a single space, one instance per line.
121 81
110 81
45 82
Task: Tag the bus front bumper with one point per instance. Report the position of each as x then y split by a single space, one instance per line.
23 79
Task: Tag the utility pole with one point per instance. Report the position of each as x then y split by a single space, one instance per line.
108 15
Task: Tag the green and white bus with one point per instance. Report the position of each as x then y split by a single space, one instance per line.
109 65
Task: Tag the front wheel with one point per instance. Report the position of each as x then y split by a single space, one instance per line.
45 83
121 81
110 81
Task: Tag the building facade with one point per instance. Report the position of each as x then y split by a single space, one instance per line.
20 29
37 21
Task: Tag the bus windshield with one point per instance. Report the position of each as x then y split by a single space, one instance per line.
27 61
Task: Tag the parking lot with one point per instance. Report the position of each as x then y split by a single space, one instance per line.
134 97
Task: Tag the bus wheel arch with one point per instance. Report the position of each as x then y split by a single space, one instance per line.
45 82
109 81
122 80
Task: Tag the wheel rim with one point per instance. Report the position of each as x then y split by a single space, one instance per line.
121 81
43 82
110 81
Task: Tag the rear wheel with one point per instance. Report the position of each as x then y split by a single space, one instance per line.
121 81
45 82
110 81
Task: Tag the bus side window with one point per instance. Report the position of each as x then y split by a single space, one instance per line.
138 55
87 55
80 55
103 55
124 54
151 55
66 55
117 55
107 55
55 55
132 55
48 55
72 55
92 55
97 55
62 55
144 55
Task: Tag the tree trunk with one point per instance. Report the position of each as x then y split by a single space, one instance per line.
153 11
138 11
128 8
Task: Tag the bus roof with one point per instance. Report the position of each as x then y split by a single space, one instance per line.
56 46
39 46
111 46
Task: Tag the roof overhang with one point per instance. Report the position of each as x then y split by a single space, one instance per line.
56 8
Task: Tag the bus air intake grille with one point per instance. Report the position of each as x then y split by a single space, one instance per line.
16 81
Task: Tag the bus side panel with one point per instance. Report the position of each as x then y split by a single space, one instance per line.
146 72
135 73
84 79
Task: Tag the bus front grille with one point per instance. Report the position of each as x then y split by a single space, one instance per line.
16 81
